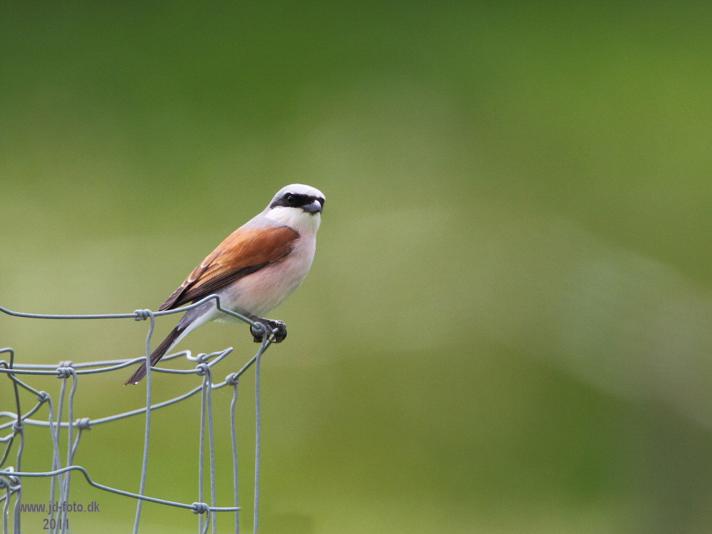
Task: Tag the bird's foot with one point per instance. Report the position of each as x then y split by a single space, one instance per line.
270 327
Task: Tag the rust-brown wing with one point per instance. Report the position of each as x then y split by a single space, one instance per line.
243 252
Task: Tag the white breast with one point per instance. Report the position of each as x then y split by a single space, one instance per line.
262 291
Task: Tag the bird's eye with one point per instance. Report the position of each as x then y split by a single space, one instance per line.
289 197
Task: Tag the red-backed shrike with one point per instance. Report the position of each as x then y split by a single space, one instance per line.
254 269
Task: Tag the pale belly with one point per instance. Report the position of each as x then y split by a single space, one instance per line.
264 290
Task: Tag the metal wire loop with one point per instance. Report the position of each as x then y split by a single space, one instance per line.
142 315
66 430
83 423
200 508
65 370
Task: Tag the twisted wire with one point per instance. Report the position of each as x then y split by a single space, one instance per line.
59 476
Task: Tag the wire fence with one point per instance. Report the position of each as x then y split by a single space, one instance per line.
71 428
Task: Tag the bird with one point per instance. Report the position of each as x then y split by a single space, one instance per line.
252 270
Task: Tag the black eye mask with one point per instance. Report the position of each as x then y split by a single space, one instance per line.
295 200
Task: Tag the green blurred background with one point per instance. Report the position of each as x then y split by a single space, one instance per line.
506 328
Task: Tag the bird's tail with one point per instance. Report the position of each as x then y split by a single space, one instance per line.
158 353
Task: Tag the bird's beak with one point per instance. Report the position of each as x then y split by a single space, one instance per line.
313 207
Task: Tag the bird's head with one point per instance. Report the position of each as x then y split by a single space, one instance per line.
298 206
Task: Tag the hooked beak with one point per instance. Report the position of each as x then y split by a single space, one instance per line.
313 207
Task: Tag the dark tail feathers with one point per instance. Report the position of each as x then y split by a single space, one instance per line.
156 355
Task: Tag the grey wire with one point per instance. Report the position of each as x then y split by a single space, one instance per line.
18 430
24 418
137 411
185 353
63 513
233 442
206 417
201 453
16 510
17 426
54 433
258 433
10 478
6 509
211 443
18 497
196 507
147 433
60 411
64 490
138 315
44 369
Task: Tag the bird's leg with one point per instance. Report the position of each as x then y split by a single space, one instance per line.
279 328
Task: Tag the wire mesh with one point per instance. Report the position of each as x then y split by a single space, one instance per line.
12 476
